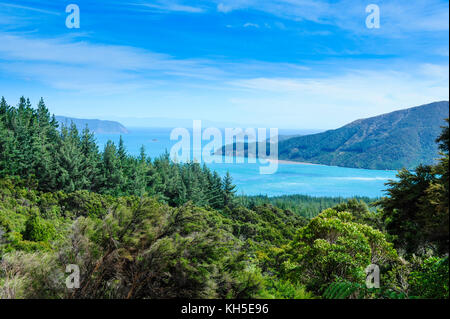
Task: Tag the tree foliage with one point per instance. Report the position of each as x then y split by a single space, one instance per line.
332 247
416 211
151 228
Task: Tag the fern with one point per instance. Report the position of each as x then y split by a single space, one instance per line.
346 289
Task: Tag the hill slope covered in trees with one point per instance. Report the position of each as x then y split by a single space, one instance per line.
400 139
404 138
150 228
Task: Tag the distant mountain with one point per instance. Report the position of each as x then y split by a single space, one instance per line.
96 126
394 140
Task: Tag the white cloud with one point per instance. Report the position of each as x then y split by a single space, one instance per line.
289 95
65 63
321 102
249 24
61 61
171 6
397 16
223 8
227 6
27 8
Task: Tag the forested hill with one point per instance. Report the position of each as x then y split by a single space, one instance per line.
394 140
96 126
142 228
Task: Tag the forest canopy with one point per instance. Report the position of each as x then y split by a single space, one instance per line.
151 228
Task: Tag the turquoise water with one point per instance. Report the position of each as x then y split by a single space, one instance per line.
314 180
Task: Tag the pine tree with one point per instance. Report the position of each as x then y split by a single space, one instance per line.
71 176
4 107
140 169
121 151
111 171
91 161
43 147
5 139
217 193
228 191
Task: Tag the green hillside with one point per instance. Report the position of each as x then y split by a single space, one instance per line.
394 140
141 228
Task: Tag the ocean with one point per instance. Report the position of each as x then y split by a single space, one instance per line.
306 179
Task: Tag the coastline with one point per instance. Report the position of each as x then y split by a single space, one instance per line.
289 162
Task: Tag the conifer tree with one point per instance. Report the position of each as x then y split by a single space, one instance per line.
91 160
228 190
71 176
111 172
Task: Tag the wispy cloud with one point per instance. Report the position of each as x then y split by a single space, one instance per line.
293 73
69 64
170 6
252 25
356 93
28 8
60 61
397 16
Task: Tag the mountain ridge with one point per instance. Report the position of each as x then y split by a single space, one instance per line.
94 125
399 139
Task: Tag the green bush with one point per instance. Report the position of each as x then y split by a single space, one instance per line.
38 229
431 279
333 247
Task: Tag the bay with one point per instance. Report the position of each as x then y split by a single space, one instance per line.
306 179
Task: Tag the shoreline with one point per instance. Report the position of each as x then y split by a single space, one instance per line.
289 162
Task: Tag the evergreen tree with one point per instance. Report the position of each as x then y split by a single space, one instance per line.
70 161
228 191
111 170
121 151
416 209
3 109
91 161
140 169
215 191
43 151
33 146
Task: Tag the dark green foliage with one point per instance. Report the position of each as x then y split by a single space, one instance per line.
431 279
38 229
32 146
401 210
444 139
332 246
159 252
265 224
416 211
228 191
143 228
131 247
304 205
346 289
284 289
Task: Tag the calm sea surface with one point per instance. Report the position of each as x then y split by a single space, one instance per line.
314 180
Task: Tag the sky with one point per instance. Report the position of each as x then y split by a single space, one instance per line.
285 63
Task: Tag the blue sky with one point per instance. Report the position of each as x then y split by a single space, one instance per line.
285 63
